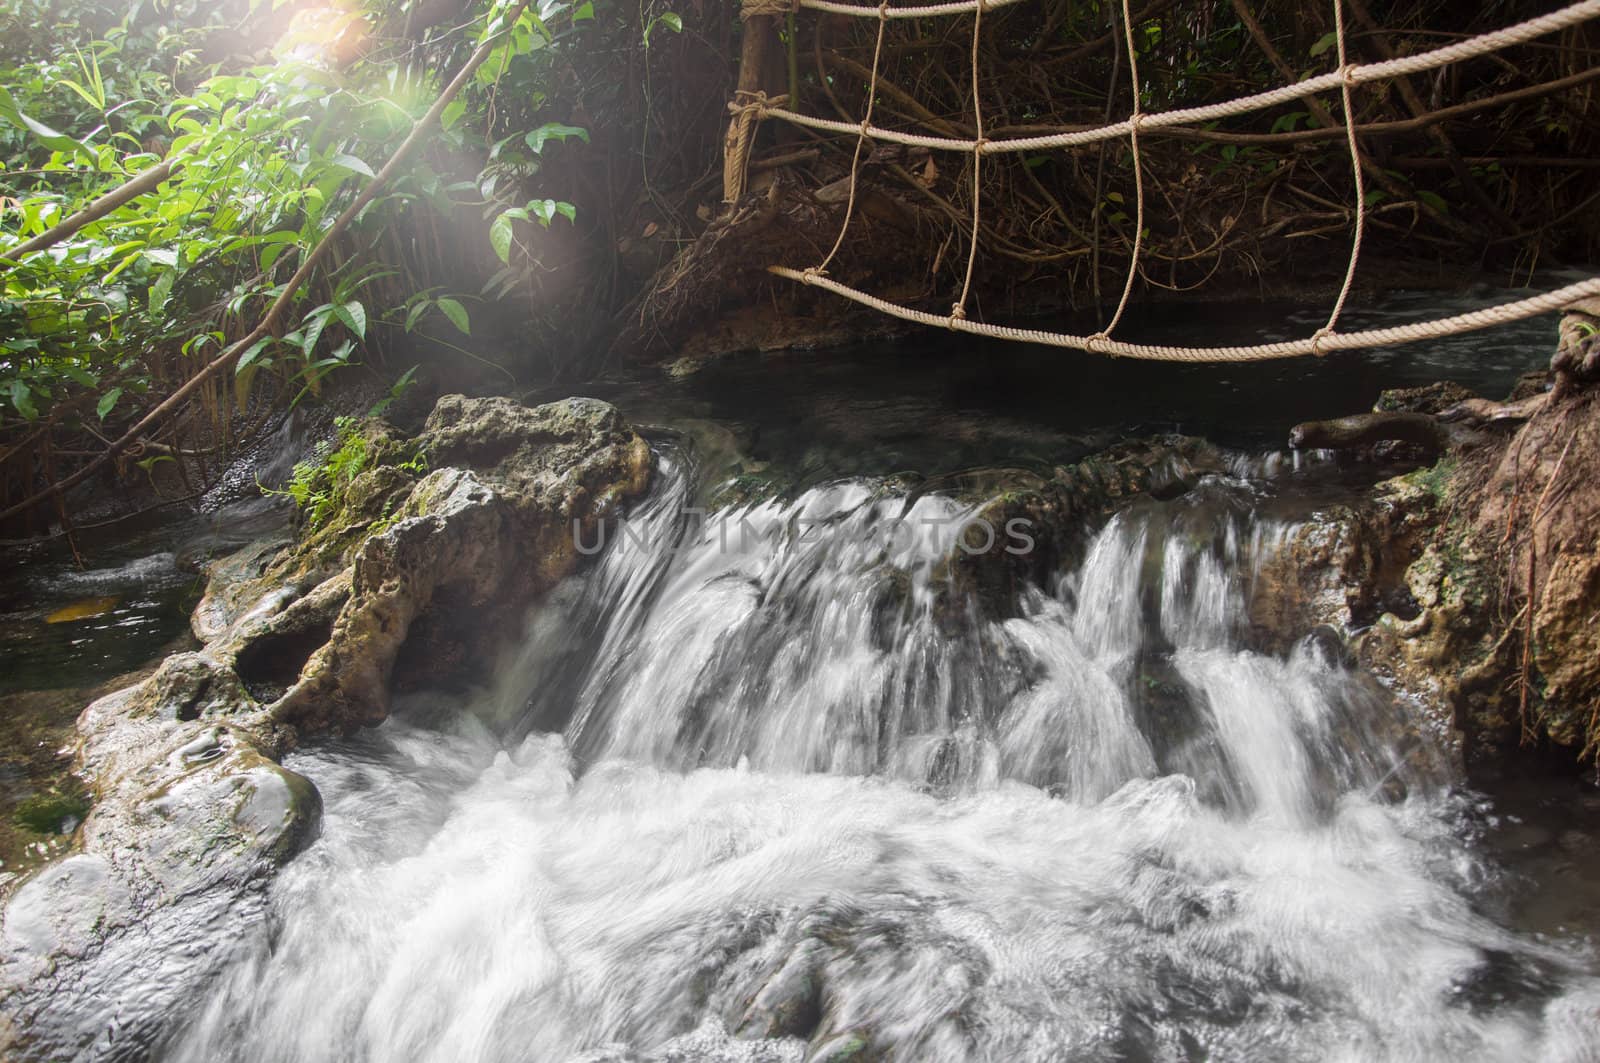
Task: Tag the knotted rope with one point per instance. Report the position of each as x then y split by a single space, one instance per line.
750 9
747 108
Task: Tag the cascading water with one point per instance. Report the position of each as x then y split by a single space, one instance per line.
780 788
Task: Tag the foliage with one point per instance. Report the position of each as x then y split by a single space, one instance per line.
318 487
268 147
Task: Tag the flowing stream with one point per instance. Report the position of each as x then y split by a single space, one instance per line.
791 782
775 785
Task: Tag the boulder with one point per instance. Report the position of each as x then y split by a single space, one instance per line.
192 812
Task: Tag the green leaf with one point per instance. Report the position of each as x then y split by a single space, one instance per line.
354 316
107 402
554 131
315 323
457 315
585 11
160 291
251 354
1434 200
1326 41
85 93
1287 122
1374 197
418 308
22 398
354 165
500 240
50 138
452 113
669 19
545 210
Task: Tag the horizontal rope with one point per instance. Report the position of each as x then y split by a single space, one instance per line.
963 7
1323 342
1353 74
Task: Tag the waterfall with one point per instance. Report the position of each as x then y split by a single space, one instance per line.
774 783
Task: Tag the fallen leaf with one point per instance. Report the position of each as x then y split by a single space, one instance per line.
87 609
650 230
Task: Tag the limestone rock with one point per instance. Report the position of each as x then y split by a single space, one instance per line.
494 527
192 812
1437 574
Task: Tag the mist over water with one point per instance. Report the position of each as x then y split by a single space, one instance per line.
804 795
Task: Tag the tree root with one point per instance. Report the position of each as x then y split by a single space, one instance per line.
1451 429
1364 429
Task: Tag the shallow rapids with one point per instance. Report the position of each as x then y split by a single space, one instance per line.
777 785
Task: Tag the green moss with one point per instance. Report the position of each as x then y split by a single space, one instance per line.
51 813
1436 478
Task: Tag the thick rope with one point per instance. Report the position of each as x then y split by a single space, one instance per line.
1320 339
1138 176
1352 74
965 7
959 310
1506 313
861 140
1345 78
776 8
747 108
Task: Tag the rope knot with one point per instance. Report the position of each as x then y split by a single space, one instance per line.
958 312
1347 74
980 146
1136 122
810 274
1318 339
755 103
753 8
1096 344
883 9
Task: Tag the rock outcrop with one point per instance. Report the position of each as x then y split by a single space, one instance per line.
1473 585
192 810
1054 515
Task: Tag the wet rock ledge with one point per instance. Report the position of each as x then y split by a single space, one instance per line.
420 565
1472 584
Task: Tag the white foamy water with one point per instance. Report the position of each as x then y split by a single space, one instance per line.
801 796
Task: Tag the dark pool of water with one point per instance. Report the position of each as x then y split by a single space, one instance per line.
936 402
73 626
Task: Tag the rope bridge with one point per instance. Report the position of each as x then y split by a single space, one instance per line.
750 106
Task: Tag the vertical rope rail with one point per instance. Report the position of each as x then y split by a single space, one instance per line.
1346 85
750 103
958 312
861 140
1134 120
